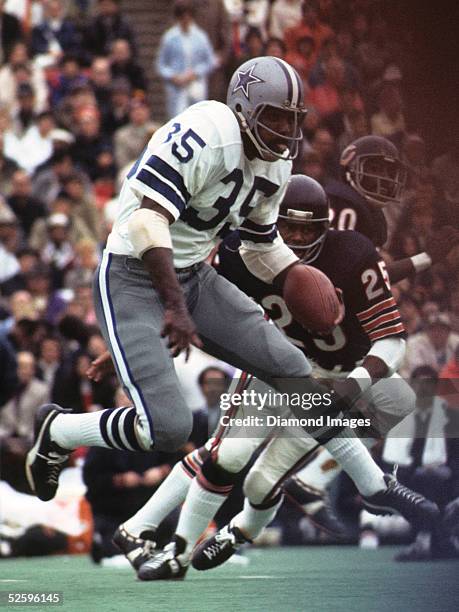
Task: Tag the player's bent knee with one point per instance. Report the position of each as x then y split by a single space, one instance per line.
234 453
258 486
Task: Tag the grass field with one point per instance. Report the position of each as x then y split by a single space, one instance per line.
281 579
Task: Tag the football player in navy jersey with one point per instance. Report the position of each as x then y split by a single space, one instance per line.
371 332
373 177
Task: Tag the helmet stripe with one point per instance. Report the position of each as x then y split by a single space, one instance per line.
293 86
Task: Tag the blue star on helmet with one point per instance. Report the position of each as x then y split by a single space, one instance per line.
245 78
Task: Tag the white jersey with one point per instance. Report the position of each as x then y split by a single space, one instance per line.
195 167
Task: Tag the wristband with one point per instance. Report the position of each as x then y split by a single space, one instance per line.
421 261
362 377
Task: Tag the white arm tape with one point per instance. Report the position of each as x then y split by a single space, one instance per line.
148 229
390 350
421 261
266 265
362 377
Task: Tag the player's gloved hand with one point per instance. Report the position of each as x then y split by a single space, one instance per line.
441 242
180 330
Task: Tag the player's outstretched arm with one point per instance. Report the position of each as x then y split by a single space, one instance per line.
438 247
149 234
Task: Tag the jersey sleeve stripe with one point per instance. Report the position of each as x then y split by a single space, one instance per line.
157 185
257 227
384 318
380 306
257 237
392 330
169 173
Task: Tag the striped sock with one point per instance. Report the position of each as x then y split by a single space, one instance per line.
111 428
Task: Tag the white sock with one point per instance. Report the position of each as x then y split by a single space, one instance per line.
166 498
320 472
199 509
251 521
70 431
357 462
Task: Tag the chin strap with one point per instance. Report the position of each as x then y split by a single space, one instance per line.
245 128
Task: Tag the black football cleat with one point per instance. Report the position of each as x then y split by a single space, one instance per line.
45 460
137 550
315 505
166 565
422 513
219 548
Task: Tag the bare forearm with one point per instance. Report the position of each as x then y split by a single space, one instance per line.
160 266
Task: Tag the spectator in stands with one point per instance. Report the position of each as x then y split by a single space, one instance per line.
91 145
49 181
100 80
19 57
8 370
23 203
46 302
326 97
120 103
80 98
58 252
445 169
27 259
7 165
56 35
310 25
303 57
275 47
212 16
389 121
454 309
9 244
324 146
10 32
285 14
78 227
84 265
49 359
69 76
123 66
73 389
108 25
82 204
409 312
185 74
17 418
213 381
433 347
130 139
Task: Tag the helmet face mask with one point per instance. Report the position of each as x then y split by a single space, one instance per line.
266 95
305 238
304 217
373 168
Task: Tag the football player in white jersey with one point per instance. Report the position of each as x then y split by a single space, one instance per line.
212 167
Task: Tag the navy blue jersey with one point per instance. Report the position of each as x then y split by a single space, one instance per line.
350 211
352 263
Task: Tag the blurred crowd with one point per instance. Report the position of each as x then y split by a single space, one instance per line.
75 112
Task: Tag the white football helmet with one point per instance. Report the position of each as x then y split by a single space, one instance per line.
264 82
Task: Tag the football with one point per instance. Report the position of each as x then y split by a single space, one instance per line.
311 298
